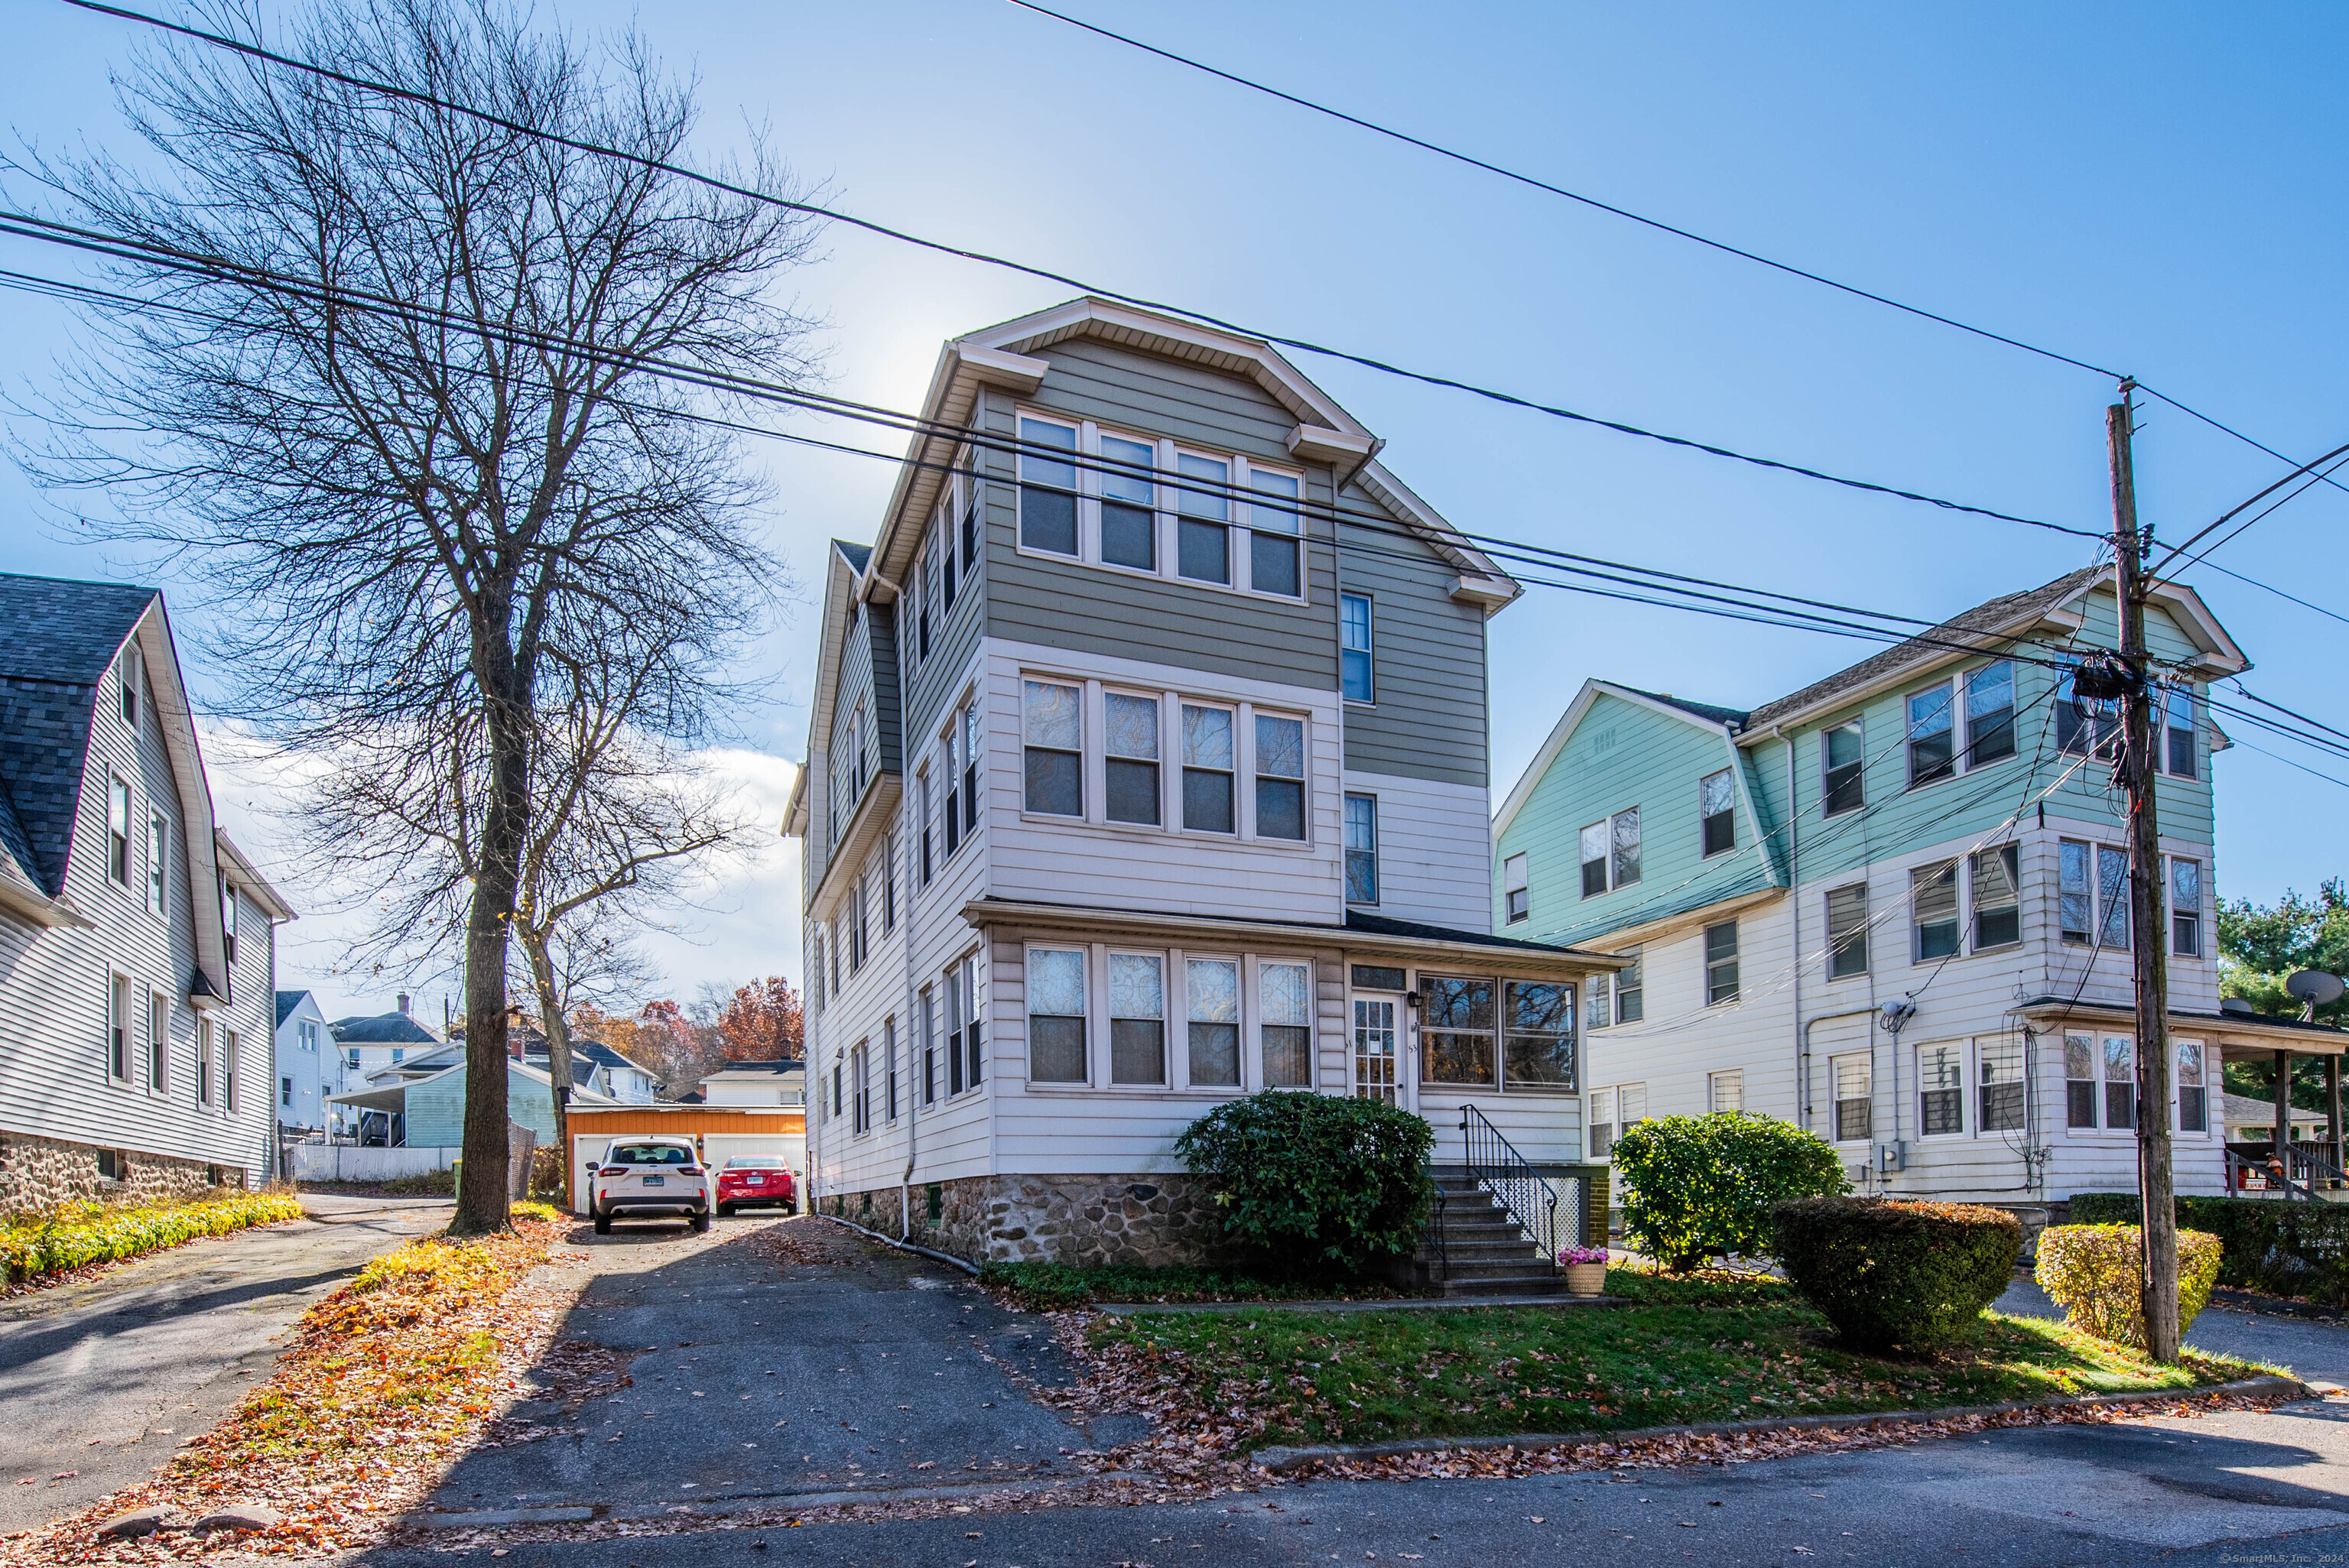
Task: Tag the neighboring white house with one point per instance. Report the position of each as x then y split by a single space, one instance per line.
1148 769
367 1045
605 1070
779 1082
138 948
309 1067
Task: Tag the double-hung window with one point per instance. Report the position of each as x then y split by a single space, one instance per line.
2079 1081
1137 1018
1207 764
1981 702
1932 728
159 865
158 1041
966 483
889 1066
1999 1091
1724 1092
1516 896
1941 1089
1994 882
2085 726
925 1010
1610 854
927 577
1602 1122
118 833
889 882
2087 1067
1203 508
1129 517
1933 911
1053 729
922 809
1285 1024
973 1049
118 1028
943 545
1361 848
1130 766
1853 1078
2111 897
1716 796
1274 566
1357 674
2186 907
1990 713
860 1081
132 666
1631 994
1721 964
971 766
1843 759
228 926
1048 487
1599 1001
1847 930
2193 1091
1056 1014
1280 778
2181 755
1538 1035
1456 1035
1212 987
2120 1081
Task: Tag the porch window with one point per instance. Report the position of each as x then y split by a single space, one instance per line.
2120 1081
1204 511
1514 892
1213 989
2193 1095
1273 533
1052 718
1994 879
1999 1093
2079 1081
1848 931
1129 526
1843 762
1280 778
1207 769
1717 807
1285 1027
1361 848
1933 904
1941 1089
1048 488
1725 1092
1137 1018
2185 908
1130 769
1457 1038
1056 1014
1540 1050
1721 964
1855 1097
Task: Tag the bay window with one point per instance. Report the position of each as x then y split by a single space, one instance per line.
1130 766
1137 1018
1280 778
1048 488
1207 763
1204 513
1213 989
1051 716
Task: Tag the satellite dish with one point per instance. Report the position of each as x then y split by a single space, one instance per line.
2313 986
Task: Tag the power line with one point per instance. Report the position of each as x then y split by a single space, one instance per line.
1304 345
2207 529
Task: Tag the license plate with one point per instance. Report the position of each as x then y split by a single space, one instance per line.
656 1180
757 1181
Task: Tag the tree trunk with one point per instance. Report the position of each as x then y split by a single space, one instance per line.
558 1033
484 1196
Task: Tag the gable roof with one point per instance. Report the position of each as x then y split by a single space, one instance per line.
286 1002
1736 717
1727 722
394 1029
63 636
777 1067
583 1049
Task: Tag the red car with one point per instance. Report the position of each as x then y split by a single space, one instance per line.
753 1181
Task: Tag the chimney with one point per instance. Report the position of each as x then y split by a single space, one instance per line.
403 1001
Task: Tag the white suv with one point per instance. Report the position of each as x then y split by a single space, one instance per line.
649 1176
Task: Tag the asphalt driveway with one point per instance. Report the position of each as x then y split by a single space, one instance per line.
100 1380
773 1358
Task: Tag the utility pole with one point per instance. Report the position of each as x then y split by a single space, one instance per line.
2148 927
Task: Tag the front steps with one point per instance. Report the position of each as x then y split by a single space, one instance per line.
1483 1252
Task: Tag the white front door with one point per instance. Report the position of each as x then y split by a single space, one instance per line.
1376 1048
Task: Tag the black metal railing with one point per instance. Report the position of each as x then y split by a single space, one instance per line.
1532 1200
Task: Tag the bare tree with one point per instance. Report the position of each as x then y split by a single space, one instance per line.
424 519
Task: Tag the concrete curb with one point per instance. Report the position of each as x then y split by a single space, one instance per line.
728 1505
1399 1304
1284 1460
970 1269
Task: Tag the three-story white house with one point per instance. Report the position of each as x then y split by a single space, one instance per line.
1147 769
137 947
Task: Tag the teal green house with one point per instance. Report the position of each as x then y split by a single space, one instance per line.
1891 907
429 1112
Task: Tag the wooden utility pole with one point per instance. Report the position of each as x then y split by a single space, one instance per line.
2148 922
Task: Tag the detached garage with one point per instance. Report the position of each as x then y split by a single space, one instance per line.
720 1131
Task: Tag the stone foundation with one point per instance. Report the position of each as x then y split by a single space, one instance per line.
1077 1220
38 1174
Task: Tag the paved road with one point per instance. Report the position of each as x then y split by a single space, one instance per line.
100 1380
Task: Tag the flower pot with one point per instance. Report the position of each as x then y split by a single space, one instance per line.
1586 1279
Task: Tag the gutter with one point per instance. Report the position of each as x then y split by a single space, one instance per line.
999 912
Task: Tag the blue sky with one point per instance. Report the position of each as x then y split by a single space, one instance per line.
2143 187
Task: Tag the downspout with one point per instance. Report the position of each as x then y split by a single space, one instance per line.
913 1045
1795 898
1823 1017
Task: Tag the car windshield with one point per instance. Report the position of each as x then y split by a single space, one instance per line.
650 1154
754 1162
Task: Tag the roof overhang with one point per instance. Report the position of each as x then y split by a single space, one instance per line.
866 825
1564 963
248 877
2250 1036
20 897
1560 732
1672 924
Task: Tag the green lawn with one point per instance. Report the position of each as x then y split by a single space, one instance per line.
1046 1287
1688 1350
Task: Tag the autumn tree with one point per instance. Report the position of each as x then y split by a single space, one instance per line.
763 1022
398 412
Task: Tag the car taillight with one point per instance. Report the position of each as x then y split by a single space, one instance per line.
690 1169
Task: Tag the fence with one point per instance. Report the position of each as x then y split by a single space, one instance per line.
352 1162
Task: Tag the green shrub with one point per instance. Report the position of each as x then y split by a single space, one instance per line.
2095 1273
1897 1273
1312 1183
2284 1248
97 1233
1701 1186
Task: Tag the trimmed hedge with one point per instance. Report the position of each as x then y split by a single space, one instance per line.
95 1233
1702 1186
1311 1182
1900 1273
2283 1247
2095 1273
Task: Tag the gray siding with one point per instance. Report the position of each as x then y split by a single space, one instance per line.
936 680
1428 653
865 653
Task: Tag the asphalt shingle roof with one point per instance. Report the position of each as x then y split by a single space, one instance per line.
1733 717
383 1030
286 1002
61 637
